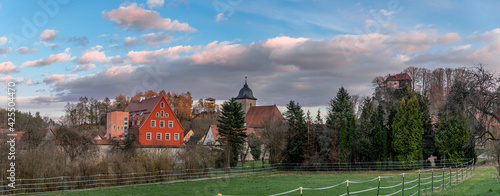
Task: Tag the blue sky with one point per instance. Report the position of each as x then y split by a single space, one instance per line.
298 50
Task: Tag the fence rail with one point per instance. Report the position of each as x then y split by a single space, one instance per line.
64 183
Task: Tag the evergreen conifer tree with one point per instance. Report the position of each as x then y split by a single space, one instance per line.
232 131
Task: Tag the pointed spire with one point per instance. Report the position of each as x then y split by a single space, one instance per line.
245 78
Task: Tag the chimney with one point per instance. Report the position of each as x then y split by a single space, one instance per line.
142 98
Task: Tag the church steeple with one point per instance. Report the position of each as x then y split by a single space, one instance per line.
245 97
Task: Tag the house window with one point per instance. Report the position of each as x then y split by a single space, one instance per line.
153 123
170 124
158 136
176 136
162 105
114 127
133 123
157 114
148 136
161 113
162 124
122 128
125 119
167 136
166 115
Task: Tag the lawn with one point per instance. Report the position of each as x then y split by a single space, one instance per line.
484 182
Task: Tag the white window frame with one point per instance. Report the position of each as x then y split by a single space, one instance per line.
162 124
176 136
162 113
166 114
162 105
158 136
167 136
148 135
153 123
157 115
170 124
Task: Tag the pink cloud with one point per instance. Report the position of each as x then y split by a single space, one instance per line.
5 50
55 58
220 53
83 67
26 50
93 54
8 79
3 40
155 3
152 39
48 35
284 42
420 40
141 57
131 17
118 70
7 67
58 78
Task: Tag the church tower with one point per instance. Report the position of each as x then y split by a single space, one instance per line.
245 97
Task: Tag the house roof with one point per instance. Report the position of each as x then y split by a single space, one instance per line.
257 115
210 99
399 77
140 110
186 131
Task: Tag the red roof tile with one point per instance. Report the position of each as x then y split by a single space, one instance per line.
257 115
399 77
140 110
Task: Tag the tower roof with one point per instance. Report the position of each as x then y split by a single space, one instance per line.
245 92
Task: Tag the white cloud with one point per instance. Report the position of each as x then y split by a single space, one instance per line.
132 17
155 3
55 58
48 35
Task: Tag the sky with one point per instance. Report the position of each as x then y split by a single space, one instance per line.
304 50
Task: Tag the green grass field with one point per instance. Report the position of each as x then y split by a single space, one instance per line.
484 182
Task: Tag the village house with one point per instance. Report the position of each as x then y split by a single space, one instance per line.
151 121
398 81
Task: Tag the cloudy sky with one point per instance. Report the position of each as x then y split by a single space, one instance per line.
302 50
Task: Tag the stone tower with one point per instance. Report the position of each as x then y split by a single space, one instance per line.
245 97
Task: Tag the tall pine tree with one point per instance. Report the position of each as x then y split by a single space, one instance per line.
232 131
297 134
339 108
408 131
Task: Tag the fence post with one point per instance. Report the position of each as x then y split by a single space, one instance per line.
450 176
456 173
442 188
432 180
418 182
378 188
300 191
403 189
347 187
461 166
